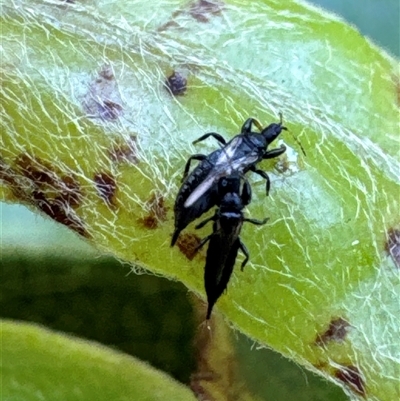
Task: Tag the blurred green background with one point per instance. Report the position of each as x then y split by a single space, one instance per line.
52 277
377 19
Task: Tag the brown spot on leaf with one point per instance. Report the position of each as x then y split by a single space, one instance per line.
176 83
203 10
187 244
392 245
37 170
126 151
59 212
49 180
69 191
337 331
102 99
109 110
351 376
157 211
43 185
106 72
106 187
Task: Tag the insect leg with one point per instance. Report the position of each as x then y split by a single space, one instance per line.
246 128
198 157
246 193
257 222
270 154
203 242
218 137
204 222
264 175
243 248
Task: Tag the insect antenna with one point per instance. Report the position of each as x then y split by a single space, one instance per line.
293 136
299 143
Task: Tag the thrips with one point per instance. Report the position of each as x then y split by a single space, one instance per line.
198 192
224 242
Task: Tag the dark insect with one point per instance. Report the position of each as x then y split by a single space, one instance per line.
224 242
198 192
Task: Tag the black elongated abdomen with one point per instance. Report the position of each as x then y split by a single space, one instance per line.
221 257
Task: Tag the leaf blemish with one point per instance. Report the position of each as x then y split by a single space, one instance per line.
188 244
52 193
125 151
351 376
157 211
202 10
176 83
36 170
392 245
59 212
102 99
106 187
337 331
109 110
107 73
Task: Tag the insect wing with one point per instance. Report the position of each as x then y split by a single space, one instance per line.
226 164
218 171
202 189
229 151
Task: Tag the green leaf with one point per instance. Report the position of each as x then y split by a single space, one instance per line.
41 364
94 139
